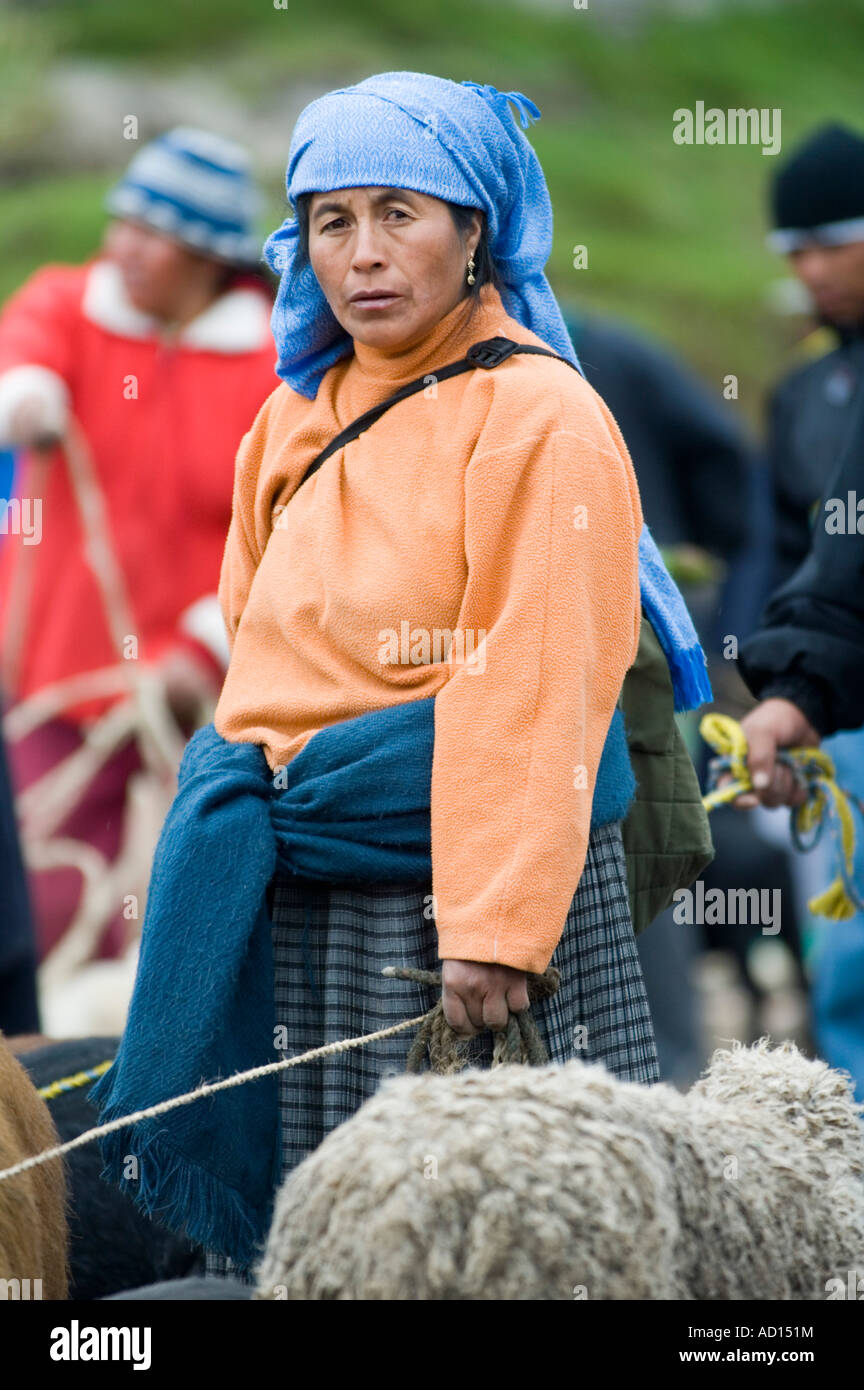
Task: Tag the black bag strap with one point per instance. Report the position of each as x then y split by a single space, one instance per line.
488 353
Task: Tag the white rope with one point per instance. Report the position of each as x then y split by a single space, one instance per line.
96 529
51 700
207 1089
51 798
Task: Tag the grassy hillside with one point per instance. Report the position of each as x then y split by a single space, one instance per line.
674 234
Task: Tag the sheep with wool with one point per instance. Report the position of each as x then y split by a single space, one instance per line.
561 1182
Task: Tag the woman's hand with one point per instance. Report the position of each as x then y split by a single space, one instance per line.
477 995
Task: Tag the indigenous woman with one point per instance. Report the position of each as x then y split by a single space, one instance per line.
496 506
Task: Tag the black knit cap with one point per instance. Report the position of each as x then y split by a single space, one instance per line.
822 181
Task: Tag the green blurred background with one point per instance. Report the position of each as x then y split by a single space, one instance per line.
675 234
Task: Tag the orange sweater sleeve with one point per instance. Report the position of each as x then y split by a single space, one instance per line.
552 607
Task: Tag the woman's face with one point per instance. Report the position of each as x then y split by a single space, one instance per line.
159 274
390 261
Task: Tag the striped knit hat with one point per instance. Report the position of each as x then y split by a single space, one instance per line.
197 188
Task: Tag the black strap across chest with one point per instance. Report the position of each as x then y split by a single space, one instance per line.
486 354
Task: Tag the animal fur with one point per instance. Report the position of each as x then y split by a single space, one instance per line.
113 1245
561 1182
33 1225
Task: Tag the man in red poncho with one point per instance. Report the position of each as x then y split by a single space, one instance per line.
154 356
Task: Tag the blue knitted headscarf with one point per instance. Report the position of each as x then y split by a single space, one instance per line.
459 142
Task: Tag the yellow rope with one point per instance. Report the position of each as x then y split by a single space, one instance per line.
71 1083
825 799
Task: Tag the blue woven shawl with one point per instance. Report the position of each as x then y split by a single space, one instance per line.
203 1006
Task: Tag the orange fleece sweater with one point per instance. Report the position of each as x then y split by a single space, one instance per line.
501 507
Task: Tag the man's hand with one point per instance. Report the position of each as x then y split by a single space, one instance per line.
774 724
477 995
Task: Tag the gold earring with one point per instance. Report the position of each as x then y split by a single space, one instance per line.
470 270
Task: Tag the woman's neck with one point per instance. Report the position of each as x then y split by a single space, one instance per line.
402 363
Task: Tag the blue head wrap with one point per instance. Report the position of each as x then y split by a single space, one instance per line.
459 142
455 141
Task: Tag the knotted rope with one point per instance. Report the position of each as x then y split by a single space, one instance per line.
826 801
519 1042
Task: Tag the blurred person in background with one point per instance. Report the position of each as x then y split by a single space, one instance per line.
158 352
806 661
691 457
693 464
18 1005
818 214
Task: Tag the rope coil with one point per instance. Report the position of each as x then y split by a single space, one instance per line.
518 1044
826 801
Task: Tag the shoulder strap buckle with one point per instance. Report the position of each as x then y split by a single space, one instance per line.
490 351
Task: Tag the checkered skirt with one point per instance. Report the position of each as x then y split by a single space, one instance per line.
331 943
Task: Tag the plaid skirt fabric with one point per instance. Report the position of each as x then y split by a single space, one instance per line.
331 943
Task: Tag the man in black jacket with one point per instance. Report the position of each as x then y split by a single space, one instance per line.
693 465
818 201
805 662
690 453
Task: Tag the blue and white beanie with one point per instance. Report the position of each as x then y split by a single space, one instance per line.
197 188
